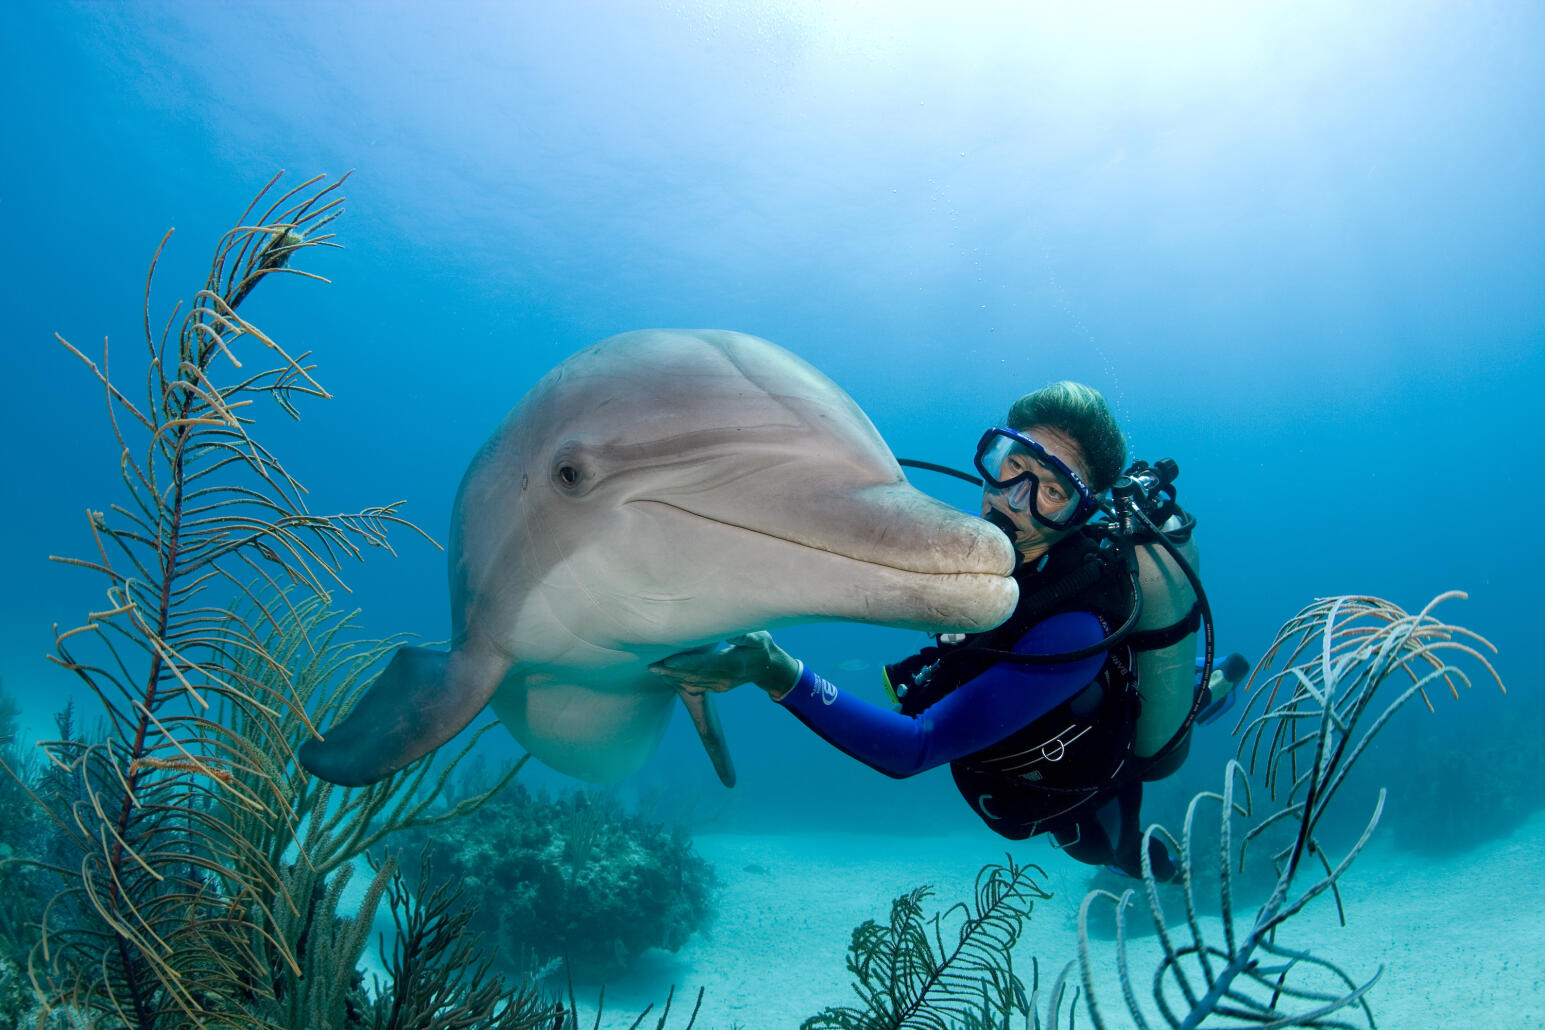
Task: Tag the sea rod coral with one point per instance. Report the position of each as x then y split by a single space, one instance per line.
198 871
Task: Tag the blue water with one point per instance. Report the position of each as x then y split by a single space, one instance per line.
1300 246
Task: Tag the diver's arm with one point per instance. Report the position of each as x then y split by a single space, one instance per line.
981 712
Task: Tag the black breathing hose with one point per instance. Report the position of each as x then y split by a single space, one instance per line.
929 466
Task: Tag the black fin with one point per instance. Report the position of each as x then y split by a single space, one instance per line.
706 719
421 700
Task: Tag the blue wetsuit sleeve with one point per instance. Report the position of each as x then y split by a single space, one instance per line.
978 713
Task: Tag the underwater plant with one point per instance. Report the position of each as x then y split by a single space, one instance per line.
28 845
439 979
314 850
575 880
1350 663
199 869
909 977
21 898
18 816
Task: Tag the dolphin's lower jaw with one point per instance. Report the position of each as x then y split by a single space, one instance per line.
961 603
932 603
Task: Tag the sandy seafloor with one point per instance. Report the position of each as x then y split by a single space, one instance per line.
1462 940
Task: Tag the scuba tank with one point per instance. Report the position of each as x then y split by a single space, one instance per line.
1166 672
1158 538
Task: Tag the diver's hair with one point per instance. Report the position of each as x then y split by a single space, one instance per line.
1081 412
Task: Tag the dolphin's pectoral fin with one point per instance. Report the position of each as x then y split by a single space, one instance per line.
707 722
422 699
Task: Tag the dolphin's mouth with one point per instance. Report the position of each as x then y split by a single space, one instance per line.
974 559
936 574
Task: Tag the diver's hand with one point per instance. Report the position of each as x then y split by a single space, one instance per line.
752 658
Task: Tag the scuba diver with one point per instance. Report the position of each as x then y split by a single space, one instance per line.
1052 721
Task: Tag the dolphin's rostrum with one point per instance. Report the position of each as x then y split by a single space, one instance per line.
661 490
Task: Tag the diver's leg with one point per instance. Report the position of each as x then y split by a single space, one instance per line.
1111 835
1229 674
1129 843
1091 833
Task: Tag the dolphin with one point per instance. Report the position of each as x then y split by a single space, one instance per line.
658 491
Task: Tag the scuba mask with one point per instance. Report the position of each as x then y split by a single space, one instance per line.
1028 478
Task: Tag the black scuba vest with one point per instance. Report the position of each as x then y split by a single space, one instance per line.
1085 742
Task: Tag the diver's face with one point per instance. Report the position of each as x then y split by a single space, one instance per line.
1033 539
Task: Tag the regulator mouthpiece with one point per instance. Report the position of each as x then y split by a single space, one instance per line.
1003 522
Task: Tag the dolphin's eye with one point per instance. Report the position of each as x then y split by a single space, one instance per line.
570 471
